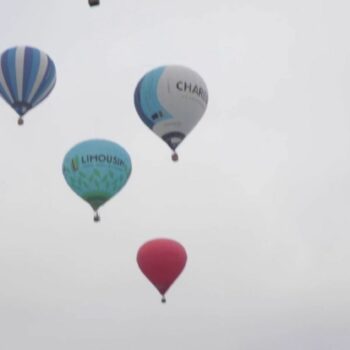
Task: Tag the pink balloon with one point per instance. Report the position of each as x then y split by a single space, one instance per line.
162 261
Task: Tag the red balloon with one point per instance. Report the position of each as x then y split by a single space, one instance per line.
162 260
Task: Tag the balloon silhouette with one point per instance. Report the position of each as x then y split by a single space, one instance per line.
162 261
27 76
96 170
171 100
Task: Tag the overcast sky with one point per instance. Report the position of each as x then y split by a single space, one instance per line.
260 198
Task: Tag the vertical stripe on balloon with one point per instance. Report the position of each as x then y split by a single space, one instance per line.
19 71
39 77
9 69
32 64
47 83
4 90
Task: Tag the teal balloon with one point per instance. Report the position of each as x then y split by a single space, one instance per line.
96 170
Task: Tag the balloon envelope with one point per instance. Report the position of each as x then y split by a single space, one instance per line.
162 261
171 100
27 76
96 170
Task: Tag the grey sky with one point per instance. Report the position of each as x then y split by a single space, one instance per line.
259 198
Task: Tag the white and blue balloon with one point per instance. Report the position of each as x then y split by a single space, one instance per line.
171 100
27 76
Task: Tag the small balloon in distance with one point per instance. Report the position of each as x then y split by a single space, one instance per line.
94 2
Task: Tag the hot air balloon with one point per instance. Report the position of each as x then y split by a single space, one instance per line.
27 76
94 2
162 261
171 100
96 170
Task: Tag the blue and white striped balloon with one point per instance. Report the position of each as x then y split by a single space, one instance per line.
27 76
171 100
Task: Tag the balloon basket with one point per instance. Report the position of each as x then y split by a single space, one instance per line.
163 299
20 121
175 157
97 217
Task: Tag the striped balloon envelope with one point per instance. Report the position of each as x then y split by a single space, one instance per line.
171 100
27 76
